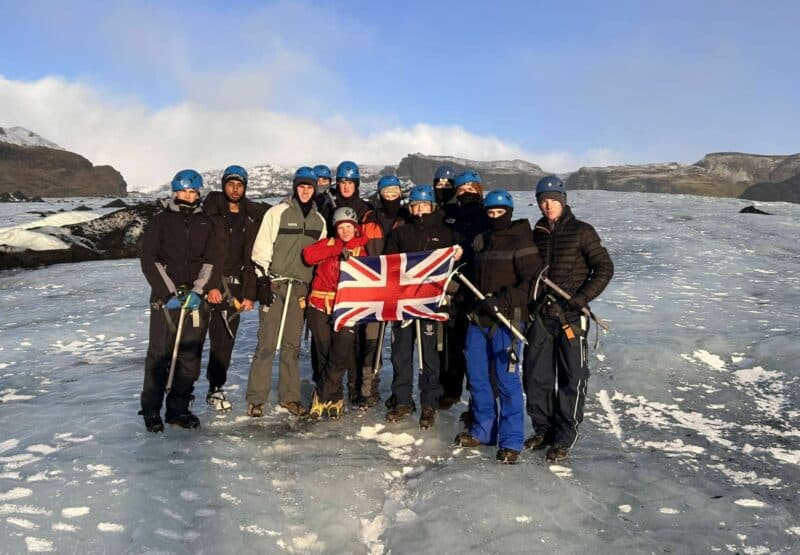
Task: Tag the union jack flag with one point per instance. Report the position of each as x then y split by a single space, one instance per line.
392 287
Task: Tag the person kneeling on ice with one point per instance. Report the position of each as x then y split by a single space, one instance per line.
182 255
335 349
556 368
506 260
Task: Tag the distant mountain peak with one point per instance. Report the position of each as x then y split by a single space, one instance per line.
24 137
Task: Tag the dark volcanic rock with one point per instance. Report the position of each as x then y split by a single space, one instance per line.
115 235
117 203
18 196
51 172
512 175
786 191
753 210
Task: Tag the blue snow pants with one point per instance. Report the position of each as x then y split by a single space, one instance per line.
487 350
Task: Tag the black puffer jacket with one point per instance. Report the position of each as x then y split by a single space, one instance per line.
182 246
576 258
420 234
505 263
216 205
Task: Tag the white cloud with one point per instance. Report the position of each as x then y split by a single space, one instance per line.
149 145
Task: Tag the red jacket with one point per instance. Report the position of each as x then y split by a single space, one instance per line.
325 254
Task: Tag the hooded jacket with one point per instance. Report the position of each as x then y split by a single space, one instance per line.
251 214
182 246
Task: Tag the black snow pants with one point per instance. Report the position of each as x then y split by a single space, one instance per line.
403 353
159 356
335 353
555 376
219 357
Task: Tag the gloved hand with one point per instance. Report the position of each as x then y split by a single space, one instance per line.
264 290
192 301
173 303
577 303
490 306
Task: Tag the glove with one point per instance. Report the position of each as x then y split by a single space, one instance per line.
264 290
192 301
490 306
577 303
345 254
173 303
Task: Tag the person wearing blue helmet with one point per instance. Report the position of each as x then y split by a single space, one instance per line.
556 358
425 231
389 214
324 179
182 256
287 228
444 187
506 260
468 220
348 180
237 290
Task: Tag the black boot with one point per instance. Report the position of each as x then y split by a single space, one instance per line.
507 456
427 418
153 422
186 420
399 412
537 441
557 454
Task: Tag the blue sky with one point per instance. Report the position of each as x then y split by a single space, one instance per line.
560 84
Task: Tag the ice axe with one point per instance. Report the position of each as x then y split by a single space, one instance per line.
585 310
496 314
177 346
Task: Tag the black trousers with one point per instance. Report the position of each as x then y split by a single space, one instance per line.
454 363
219 358
403 354
555 376
159 356
335 354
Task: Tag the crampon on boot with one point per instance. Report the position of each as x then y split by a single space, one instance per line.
427 418
255 410
186 420
318 408
335 409
217 400
399 412
507 456
152 421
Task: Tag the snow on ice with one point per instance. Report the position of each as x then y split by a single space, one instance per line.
691 442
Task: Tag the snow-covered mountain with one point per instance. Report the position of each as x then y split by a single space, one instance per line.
23 137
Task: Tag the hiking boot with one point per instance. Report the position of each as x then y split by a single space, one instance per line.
317 407
390 402
446 402
294 408
362 403
335 409
153 422
556 454
466 439
216 398
536 441
399 412
255 410
427 418
373 399
507 456
186 420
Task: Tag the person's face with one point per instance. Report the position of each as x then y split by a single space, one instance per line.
495 212
345 231
305 192
346 187
390 193
323 182
551 208
234 190
187 195
466 188
420 208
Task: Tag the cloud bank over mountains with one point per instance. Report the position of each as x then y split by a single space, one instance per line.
149 144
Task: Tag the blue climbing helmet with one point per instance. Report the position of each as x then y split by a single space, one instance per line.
550 186
348 170
388 181
422 193
498 198
305 176
234 172
468 176
322 171
444 172
187 179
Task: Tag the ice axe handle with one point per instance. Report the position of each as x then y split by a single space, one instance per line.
589 314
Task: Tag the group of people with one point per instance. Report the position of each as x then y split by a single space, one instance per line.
209 261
